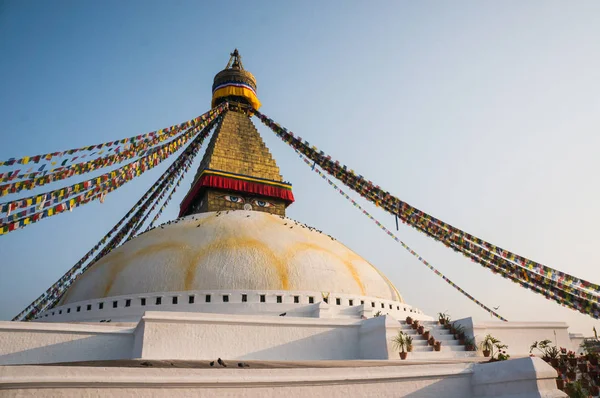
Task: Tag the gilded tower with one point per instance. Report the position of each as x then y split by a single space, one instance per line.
237 171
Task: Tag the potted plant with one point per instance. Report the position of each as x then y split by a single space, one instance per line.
408 341
553 354
571 358
470 344
426 334
575 390
583 367
487 345
431 341
457 330
595 390
563 353
415 324
593 358
442 317
409 320
562 366
571 375
399 343
560 383
543 347
437 346
447 322
421 329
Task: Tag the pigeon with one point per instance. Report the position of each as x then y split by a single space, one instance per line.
496 308
284 314
212 363
220 362
243 365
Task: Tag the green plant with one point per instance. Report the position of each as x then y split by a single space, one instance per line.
408 340
442 317
459 330
494 348
470 344
399 341
377 314
576 390
553 352
542 346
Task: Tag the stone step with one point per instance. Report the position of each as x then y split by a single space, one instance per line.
433 355
444 337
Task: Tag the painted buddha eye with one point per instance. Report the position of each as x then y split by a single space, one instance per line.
262 203
234 199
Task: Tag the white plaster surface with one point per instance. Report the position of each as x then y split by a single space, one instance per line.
34 342
521 378
209 336
519 336
235 250
130 308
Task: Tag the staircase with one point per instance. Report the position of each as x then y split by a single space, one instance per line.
451 348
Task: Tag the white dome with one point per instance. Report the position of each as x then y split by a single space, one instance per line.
235 250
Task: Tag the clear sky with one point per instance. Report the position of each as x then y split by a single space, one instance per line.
484 114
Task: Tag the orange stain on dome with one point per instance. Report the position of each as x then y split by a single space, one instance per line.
302 246
235 243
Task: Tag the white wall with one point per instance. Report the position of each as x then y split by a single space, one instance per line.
310 304
525 378
519 336
34 342
163 335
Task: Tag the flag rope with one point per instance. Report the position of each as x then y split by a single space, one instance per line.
398 240
54 292
583 291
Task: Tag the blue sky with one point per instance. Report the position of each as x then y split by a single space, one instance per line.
484 114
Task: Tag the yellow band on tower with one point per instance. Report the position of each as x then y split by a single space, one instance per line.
237 91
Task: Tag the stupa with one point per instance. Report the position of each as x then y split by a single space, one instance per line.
234 283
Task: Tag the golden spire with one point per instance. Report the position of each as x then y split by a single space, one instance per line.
237 171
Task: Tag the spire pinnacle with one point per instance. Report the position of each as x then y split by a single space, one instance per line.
235 61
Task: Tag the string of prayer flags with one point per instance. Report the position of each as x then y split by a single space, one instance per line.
38 178
54 292
131 170
404 245
450 236
124 141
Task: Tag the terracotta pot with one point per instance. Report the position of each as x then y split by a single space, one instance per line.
420 329
560 383
409 320
403 355
583 367
554 362
415 325
431 340
426 335
437 346
486 353
573 361
571 376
